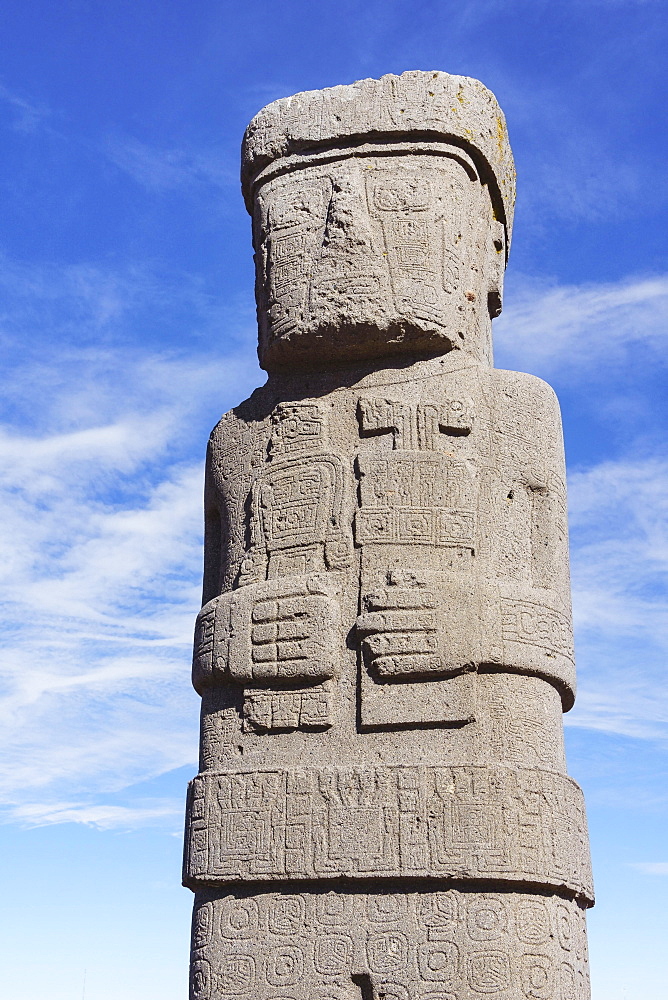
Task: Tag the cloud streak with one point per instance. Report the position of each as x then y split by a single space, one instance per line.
651 867
579 327
619 532
163 170
101 465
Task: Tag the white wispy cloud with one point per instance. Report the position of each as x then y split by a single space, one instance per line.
101 467
619 557
101 556
98 595
28 114
651 867
593 334
161 169
102 817
578 327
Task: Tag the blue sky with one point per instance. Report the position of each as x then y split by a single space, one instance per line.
127 327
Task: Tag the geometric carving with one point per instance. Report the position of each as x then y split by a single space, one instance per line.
306 708
439 961
537 976
387 951
488 971
389 944
286 915
334 910
239 918
414 526
414 480
526 622
415 428
414 495
467 821
285 965
387 909
400 642
295 237
297 428
299 505
333 954
422 264
533 926
486 919
200 980
203 926
236 974
297 502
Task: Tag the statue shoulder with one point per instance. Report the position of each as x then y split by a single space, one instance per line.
240 426
519 388
238 443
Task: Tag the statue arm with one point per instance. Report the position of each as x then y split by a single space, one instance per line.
545 477
279 632
213 535
533 634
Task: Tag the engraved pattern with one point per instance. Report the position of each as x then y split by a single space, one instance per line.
415 498
350 242
296 233
537 625
308 708
417 946
460 822
415 428
422 275
400 632
297 502
281 631
452 105
418 496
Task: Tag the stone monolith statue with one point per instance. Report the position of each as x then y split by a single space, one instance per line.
385 647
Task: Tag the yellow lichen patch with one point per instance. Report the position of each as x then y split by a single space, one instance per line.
500 134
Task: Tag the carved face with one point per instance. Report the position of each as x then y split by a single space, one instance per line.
372 256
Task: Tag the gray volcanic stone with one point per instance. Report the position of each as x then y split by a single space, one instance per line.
385 647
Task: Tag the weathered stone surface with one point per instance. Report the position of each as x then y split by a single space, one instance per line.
385 647
454 109
464 822
375 255
431 945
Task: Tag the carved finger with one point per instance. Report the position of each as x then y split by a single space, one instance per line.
390 643
412 665
395 621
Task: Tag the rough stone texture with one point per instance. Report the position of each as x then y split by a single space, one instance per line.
435 945
385 650
435 106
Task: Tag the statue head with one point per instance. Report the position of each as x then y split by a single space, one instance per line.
382 214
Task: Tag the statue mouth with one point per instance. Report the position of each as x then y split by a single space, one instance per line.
346 342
